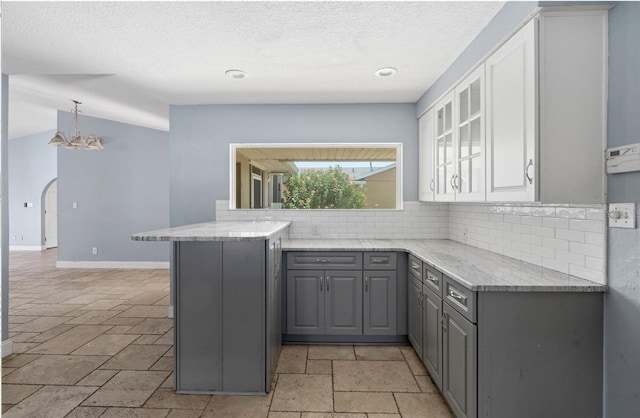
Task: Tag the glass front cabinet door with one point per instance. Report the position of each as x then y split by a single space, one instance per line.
469 128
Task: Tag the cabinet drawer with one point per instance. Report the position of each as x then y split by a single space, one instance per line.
324 260
433 279
380 261
460 298
415 267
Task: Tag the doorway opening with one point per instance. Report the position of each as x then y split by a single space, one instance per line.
50 214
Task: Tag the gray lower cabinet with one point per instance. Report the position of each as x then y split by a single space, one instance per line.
379 298
459 358
414 311
324 302
432 334
509 354
227 334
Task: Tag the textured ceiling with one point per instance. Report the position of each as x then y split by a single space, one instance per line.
133 59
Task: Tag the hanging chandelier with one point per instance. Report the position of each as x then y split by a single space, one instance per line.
77 141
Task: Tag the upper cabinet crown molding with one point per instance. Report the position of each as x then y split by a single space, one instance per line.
543 115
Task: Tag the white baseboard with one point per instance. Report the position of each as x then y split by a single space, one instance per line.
26 248
170 313
7 348
112 264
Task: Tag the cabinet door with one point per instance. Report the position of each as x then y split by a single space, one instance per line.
379 303
445 170
343 302
511 119
305 302
426 148
459 370
432 334
470 148
414 311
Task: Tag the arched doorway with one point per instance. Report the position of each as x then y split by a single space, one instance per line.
50 214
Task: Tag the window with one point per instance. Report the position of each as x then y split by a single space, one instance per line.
316 176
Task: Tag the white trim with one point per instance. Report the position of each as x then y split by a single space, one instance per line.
112 264
7 348
27 248
397 145
170 312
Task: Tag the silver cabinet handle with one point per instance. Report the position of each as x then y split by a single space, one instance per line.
321 280
366 284
433 279
323 260
377 261
526 172
451 182
415 267
444 321
431 184
327 283
457 296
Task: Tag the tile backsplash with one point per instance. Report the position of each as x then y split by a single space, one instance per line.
566 238
416 221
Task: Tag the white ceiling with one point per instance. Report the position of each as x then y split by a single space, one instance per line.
128 61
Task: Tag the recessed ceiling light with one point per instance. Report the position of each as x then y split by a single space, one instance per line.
237 74
386 72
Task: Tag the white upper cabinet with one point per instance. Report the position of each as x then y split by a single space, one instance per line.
469 138
511 119
546 111
529 124
426 148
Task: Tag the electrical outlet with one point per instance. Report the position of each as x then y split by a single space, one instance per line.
74 205
315 229
622 215
94 251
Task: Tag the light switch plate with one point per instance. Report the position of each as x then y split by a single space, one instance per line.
622 215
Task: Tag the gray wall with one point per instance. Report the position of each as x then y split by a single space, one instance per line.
503 23
200 138
120 190
32 166
4 209
622 303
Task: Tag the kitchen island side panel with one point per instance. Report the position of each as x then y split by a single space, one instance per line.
540 355
243 310
198 317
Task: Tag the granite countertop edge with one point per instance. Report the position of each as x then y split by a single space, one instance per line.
216 231
564 282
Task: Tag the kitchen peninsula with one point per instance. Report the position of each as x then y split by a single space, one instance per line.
226 304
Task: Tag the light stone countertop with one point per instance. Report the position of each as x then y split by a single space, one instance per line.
474 268
216 231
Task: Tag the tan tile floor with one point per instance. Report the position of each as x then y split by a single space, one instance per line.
96 343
